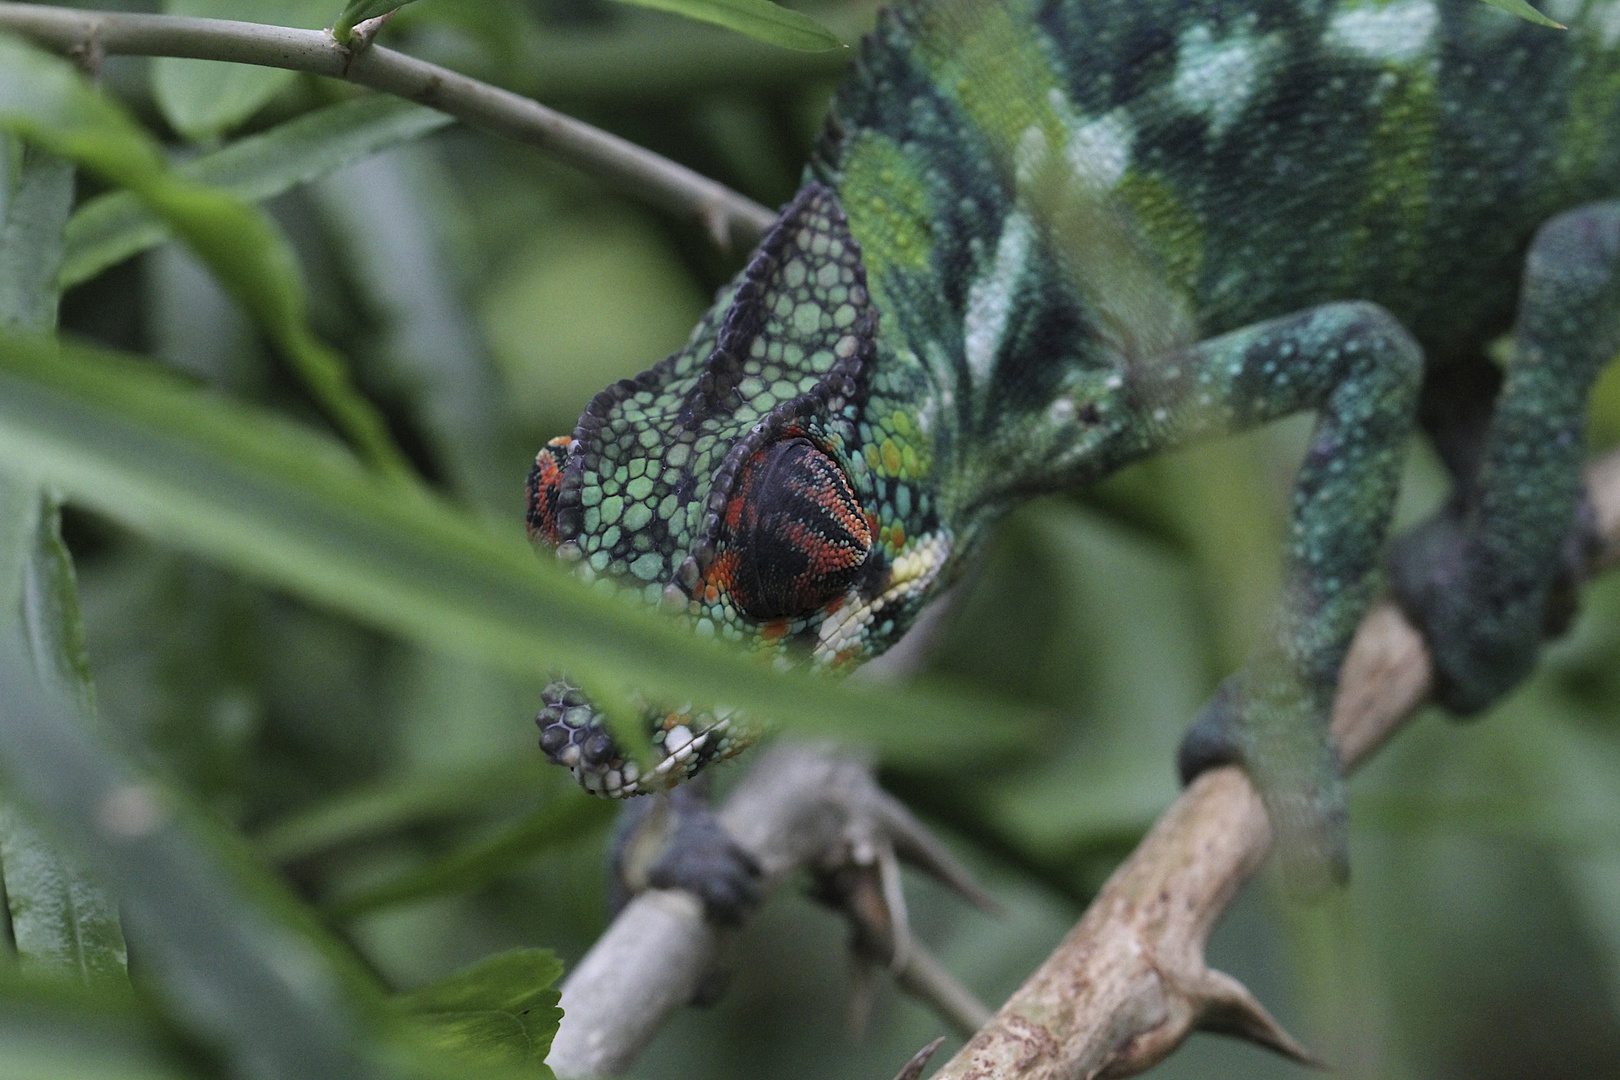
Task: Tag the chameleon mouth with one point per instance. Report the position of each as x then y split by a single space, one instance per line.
574 734
844 634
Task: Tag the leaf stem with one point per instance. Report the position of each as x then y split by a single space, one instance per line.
730 218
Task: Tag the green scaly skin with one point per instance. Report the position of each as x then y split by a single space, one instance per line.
1044 238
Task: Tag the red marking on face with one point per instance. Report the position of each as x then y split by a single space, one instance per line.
544 480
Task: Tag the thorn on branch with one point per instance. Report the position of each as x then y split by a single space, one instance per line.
915 1066
1229 1008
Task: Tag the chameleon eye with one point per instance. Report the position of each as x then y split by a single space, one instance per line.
798 533
544 480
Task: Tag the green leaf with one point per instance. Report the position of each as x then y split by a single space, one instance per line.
44 99
52 1030
500 1011
111 227
358 11
61 922
398 803
472 867
1524 11
236 978
257 493
203 99
757 18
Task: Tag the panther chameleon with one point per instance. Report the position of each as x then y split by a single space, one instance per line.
1041 239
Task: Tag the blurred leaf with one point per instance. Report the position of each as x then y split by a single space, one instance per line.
502 1010
389 226
44 99
60 921
570 817
237 980
588 298
112 227
398 803
358 11
274 500
31 239
52 1031
757 18
203 99
1524 11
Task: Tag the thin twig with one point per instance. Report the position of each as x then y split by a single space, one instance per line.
731 219
1129 982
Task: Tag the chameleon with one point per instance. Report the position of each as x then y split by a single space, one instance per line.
1039 240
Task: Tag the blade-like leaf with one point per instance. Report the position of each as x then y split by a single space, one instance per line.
502 1010
61 922
358 11
486 861
237 980
248 489
203 99
112 227
757 18
398 803
1524 11
45 100
51 1030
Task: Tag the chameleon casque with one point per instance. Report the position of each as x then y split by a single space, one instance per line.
1041 239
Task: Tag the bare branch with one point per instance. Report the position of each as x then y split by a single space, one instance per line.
797 809
730 218
1129 982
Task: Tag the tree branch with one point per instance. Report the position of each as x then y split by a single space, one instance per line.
797 809
731 219
1129 982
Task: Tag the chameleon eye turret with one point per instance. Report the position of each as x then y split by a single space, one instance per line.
798 535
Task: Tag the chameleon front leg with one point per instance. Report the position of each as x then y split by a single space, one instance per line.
1360 370
1480 579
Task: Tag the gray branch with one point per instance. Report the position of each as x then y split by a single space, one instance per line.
732 219
798 809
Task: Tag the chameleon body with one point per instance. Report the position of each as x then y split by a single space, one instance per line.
1041 239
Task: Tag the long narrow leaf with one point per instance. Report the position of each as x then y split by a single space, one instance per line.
112 227
757 18
1524 11
266 497
486 861
43 99
61 921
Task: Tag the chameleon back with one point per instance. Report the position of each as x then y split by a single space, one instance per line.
1222 162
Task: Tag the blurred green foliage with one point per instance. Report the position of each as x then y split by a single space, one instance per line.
377 806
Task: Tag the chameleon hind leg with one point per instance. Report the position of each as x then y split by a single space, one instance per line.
1358 368
1493 573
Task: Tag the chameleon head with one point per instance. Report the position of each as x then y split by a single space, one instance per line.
728 486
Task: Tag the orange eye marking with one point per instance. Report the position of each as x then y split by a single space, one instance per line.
544 480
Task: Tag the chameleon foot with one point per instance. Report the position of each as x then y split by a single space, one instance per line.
1483 639
1295 769
674 841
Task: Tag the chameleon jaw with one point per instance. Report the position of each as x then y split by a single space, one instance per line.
842 636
